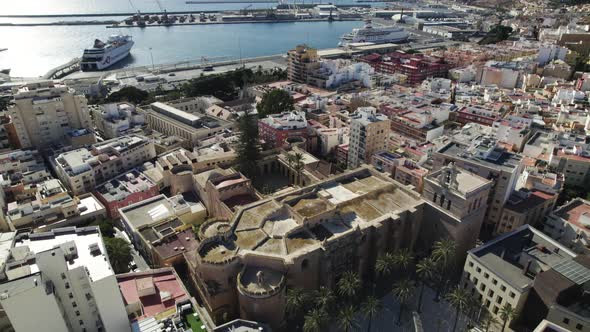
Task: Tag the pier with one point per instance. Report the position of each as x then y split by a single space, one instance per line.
63 70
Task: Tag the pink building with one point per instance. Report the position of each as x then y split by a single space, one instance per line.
125 189
276 128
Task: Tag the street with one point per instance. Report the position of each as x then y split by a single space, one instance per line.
139 261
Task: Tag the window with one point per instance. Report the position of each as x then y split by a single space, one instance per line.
81 322
491 293
579 326
478 270
77 313
502 288
88 296
482 287
566 321
485 275
512 295
470 264
475 281
494 281
63 275
499 300
67 285
71 295
74 304
496 309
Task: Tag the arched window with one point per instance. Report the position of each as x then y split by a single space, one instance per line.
304 264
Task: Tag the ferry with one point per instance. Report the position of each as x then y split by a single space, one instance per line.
376 35
103 55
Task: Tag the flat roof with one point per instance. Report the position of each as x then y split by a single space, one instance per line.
576 212
98 266
148 211
507 161
505 255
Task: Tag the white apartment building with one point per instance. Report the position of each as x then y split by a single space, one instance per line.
368 134
570 225
44 113
335 73
113 120
62 281
503 270
81 169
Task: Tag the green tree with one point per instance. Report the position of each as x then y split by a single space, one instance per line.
370 308
346 318
349 284
385 264
130 94
315 320
402 259
274 102
444 253
107 227
298 301
248 152
402 290
425 269
507 313
119 253
458 298
324 298
295 161
488 322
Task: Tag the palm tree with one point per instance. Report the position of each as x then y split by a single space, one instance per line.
349 284
297 301
297 164
488 322
425 270
458 298
507 313
314 320
402 259
385 264
370 308
402 290
346 318
444 253
324 298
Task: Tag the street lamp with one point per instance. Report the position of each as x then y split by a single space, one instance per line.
152 57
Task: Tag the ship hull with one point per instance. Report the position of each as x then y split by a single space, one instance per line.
109 59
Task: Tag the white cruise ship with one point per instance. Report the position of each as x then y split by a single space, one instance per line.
103 55
376 35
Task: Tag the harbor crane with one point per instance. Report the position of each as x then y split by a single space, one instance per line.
245 9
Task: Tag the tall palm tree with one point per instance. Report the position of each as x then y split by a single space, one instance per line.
444 251
425 269
349 284
444 255
488 322
315 320
402 290
370 308
402 259
385 264
458 298
507 313
119 253
324 298
297 301
346 318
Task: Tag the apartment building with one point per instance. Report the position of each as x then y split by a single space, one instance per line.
44 113
485 158
82 169
570 225
503 271
368 134
300 61
161 227
417 67
125 189
114 120
190 126
276 129
51 206
63 278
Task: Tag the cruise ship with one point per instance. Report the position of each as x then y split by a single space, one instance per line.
376 35
103 55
